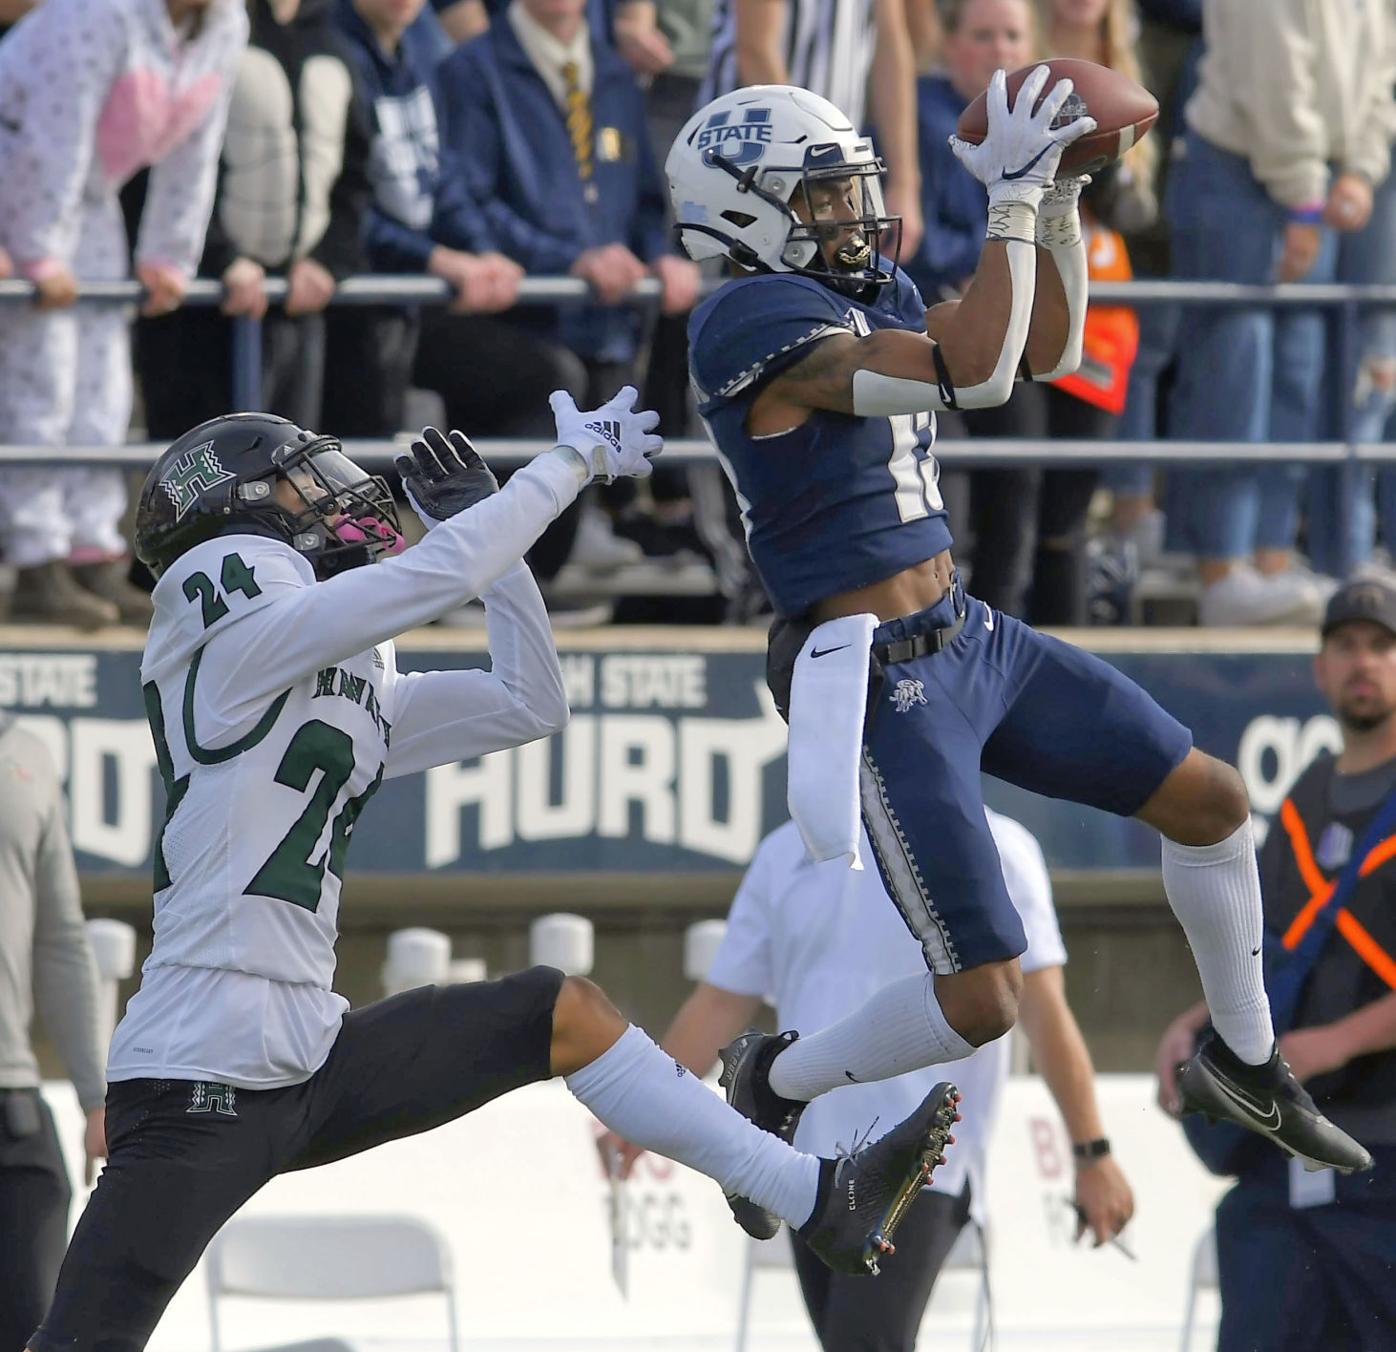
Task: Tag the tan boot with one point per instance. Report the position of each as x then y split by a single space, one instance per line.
47 594
109 581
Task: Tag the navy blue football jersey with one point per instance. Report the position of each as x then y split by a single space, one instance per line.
840 501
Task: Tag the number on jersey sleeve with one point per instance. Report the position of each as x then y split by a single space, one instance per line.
917 480
234 575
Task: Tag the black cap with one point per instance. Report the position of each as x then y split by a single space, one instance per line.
1361 599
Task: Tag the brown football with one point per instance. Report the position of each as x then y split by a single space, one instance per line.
1123 110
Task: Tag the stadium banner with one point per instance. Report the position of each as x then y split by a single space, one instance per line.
674 761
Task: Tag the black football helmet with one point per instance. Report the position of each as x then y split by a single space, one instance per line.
221 479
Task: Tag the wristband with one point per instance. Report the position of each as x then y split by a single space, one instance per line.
575 461
1087 1152
1012 220
1311 213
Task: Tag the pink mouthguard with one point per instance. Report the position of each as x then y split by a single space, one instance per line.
369 530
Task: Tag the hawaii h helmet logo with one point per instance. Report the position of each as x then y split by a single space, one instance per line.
193 473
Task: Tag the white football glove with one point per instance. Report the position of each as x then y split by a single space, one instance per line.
615 441
1019 155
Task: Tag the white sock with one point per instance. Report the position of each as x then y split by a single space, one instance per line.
1214 891
648 1098
900 1029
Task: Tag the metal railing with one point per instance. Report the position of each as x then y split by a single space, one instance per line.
1349 301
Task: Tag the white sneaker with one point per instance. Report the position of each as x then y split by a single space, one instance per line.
1246 597
597 548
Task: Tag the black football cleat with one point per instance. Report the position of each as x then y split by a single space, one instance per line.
1267 1100
745 1065
864 1195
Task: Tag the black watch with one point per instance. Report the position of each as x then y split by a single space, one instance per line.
1086 1152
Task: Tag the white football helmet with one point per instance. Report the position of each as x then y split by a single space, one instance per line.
740 160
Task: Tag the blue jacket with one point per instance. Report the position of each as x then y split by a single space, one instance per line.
506 147
954 204
404 155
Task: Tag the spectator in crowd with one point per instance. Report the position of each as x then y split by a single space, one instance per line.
1308 1260
1288 130
1170 42
855 53
544 127
90 92
47 962
1088 404
462 20
815 940
292 190
1340 514
370 349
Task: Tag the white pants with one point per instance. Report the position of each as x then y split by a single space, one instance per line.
65 380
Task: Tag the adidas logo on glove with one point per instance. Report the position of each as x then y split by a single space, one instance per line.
609 430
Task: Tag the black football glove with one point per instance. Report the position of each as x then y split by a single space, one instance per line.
444 475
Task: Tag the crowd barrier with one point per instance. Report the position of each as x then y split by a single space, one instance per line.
1348 300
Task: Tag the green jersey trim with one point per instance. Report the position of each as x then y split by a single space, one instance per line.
222 754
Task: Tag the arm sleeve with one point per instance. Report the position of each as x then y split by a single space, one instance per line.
445 716
65 975
757 330
1030 888
179 201
744 964
295 629
473 159
52 148
1370 152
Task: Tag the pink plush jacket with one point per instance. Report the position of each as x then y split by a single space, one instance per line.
91 91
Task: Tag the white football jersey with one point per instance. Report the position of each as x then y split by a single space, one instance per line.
277 710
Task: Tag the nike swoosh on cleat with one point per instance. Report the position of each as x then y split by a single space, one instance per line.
1018 173
824 652
1268 1122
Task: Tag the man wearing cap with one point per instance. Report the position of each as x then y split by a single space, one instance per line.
1308 1260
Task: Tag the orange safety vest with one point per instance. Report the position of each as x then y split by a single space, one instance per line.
1111 336
1321 888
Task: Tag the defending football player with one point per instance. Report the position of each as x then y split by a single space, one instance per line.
277 710
818 372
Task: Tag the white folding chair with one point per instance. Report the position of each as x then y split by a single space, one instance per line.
329 1258
762 1255
1203 1276
970 1253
